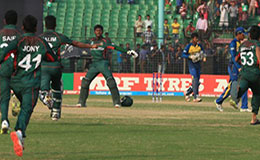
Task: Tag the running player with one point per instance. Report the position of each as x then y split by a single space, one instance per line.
233 70
30 50
100 64
51 71
194 53
249 76
8 34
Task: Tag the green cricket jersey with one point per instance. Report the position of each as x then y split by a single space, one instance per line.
30 51
249 62
55 41
100 53
8 34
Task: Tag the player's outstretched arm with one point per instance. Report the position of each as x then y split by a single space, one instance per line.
130 52
84 45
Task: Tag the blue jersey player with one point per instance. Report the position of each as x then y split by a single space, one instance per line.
233 70
194 54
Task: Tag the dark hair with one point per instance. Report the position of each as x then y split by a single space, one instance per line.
50 22
139 15
106 33
166 19
30 24
11 17
254 32
175 18
98 26
147 15
194 35
149 27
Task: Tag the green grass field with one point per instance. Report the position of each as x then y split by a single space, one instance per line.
172 130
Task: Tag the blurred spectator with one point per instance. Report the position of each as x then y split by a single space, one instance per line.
189 30
119 1
203 9
126 60
162 66
156 58
136 60
178 5
170 59
252 7
148 36
244 12
142 58
109 50
223 15
175 31
216 13
130 1
178 67
183 11
202 26
211 6
233 10
119 60
139 25
166 30
167 6
208 49
191 7
148 22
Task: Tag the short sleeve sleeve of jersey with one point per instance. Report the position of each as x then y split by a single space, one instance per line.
65 40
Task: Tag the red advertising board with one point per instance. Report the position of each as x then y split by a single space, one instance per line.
142 84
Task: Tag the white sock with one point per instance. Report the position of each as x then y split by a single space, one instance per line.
19 134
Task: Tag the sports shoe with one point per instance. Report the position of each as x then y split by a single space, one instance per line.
245 110
219 106
47 100
187 98
5 129
233 104
17 143
81 105
197 99
15 103
117 105
55 114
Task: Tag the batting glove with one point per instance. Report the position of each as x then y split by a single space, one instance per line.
132 53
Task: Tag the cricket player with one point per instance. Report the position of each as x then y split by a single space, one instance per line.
194 53
233 70
30 51
249 76
100 65
51 71
8 34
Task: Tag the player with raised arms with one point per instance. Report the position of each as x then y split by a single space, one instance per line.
30 51
100 64
51 71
